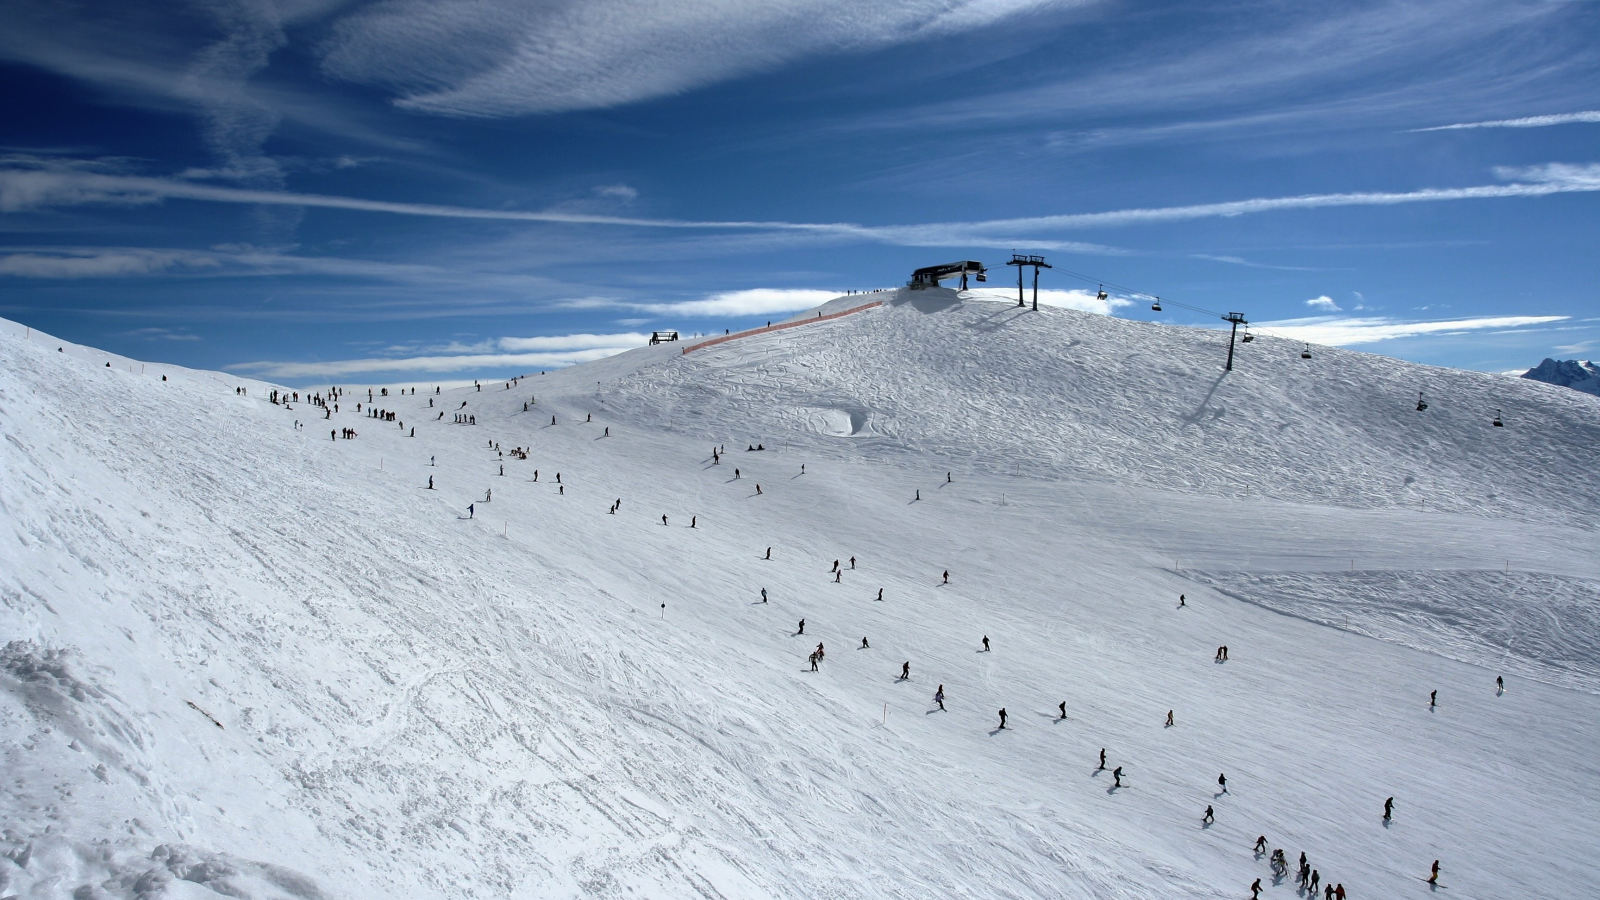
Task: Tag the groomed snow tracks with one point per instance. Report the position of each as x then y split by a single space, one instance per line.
780 326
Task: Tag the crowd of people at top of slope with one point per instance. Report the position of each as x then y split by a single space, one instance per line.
1309 879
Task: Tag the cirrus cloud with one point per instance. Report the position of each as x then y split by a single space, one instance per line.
1335 331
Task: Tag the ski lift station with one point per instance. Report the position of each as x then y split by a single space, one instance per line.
930 276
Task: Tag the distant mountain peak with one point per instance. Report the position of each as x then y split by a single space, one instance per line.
1580 375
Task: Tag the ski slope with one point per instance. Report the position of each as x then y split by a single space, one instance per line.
244 659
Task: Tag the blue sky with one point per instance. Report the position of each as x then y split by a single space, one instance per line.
416 191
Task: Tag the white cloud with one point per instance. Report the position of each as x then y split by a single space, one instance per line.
753 302
1071 299
1348 331
88 263
519 362
1324 303
1527 122
24 187
617 191
573 342
542 56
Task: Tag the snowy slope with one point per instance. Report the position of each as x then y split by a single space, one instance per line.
246 659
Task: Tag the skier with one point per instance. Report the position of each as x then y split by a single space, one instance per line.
471 513
905 670
813 657
1063 708
864 644
1169 718
552 418
1116 774
986 643
802 468
488 495
1002 717
608 431
880 593
1180 600
763 595
938 697
1209 817
947 478
1433 698
758 487
802 627
835 566
769 553
430 482
693 520
838 577
919 493
946 576
663 518
1433 878
1255 889
736 471
1388 809
1222 783
1312 883
1261 844
1102 760
852 562
502 468
1499 685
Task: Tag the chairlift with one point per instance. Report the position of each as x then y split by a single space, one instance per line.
1102 295
1156 306
1306 353
1497 422
1421 403
1248 337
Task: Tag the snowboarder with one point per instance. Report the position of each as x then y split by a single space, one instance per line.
986 643
758 487
1388 809
1063 708
1222 783
1169 718
905 670
946 576
1002 717
938 697
1209 817
763 595
802 627
1116 775
864 644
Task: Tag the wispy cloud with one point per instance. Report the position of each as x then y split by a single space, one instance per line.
161 334
341 368
1324 303
753 302
1527 122
501 59
36 186
1343 332
573 342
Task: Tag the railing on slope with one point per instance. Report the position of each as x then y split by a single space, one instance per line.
780 326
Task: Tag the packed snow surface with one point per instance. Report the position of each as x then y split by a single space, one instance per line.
242 658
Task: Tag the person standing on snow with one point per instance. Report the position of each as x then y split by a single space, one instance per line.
1388 809
1116 774
763 595
905 670
802 627
938 697
1210 816
1222 783
986 643
430 482
1102 760
471 513
1063 708
1002 717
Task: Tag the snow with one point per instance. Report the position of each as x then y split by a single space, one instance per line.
1578 374
416 703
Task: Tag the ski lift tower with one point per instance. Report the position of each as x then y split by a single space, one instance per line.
1037 262
1237 319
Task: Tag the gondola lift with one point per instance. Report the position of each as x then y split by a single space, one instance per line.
1156 306
1497 421
1306 353
1421 403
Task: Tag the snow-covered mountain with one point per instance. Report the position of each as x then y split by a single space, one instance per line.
1580 375
245 658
